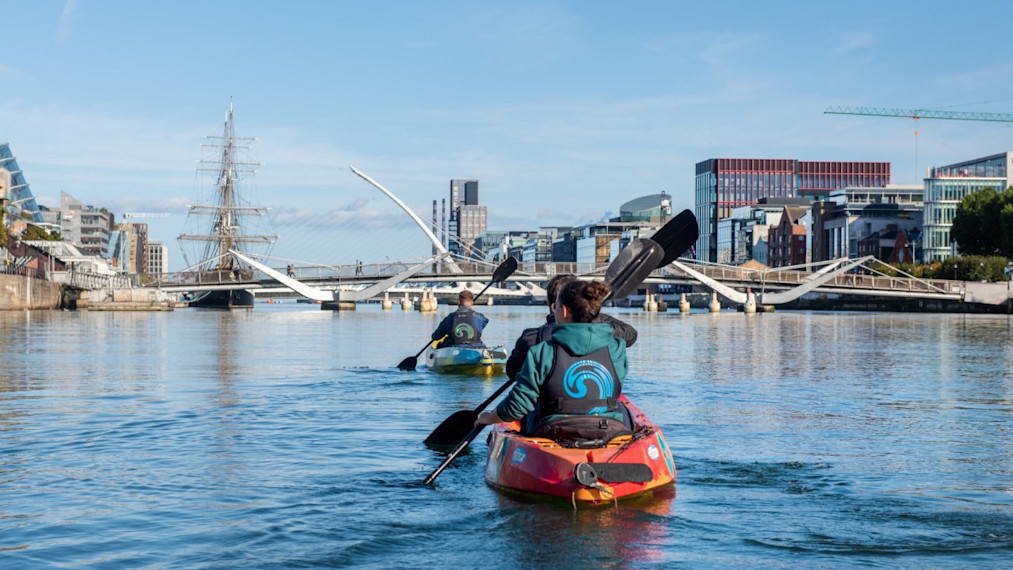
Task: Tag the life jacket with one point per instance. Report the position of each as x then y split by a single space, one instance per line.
465 329
585 384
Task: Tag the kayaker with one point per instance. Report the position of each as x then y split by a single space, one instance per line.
573 381
464 326
531 337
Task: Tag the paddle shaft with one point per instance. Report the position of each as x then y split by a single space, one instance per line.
457 450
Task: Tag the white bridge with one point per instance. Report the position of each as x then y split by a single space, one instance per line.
446 276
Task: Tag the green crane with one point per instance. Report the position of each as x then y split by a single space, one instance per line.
921 114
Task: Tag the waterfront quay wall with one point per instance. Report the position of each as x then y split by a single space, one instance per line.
20 292
135 299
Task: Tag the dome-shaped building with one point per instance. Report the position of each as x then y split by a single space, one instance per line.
655 208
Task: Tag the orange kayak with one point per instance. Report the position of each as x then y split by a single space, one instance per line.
628 466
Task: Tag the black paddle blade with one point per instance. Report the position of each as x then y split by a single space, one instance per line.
633 264
506 269
453 429
408 364
677 236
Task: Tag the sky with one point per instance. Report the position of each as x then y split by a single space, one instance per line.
563 110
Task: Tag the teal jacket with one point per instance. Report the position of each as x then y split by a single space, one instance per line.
581 339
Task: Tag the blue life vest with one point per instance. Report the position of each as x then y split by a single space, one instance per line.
585 384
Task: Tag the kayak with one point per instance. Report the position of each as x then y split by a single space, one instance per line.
627 466
481 360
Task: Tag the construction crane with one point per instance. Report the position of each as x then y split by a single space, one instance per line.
917 114
146 215
921 114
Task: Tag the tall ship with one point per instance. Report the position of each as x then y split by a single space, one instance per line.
223 221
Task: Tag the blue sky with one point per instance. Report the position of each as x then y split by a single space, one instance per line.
563 110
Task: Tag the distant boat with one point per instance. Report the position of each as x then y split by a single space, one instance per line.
219 223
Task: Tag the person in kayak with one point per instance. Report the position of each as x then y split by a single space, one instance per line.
531 337
464 326
572 382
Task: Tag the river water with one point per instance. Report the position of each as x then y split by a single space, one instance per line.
286 437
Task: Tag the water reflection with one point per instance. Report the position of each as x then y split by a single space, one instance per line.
555 535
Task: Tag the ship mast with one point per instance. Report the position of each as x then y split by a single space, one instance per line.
225 232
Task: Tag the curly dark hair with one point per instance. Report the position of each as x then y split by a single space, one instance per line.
584 299
555 284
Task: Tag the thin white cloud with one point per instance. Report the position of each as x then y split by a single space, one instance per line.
856 40
66 23
11 72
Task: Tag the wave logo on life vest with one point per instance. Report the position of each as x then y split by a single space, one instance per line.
464 331
588 372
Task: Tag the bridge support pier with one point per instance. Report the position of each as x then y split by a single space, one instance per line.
337 306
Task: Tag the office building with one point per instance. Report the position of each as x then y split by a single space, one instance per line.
16 195
851 215
84 226
946 186
723 184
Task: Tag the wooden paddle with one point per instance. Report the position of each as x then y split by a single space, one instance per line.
505 269
675 238
626 272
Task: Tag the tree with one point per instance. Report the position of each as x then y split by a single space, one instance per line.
974 225
984 223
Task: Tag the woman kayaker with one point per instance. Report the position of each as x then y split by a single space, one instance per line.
570 384
531 337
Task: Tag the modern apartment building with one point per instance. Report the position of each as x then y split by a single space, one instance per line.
946 186
723 184
157 258
85 226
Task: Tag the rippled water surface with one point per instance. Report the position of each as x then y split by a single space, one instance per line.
285 436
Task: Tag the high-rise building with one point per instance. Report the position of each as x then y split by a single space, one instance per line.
723 184
946 186
467 218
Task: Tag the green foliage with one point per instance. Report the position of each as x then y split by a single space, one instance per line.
983 224
37 233
968 268
973 268
4 233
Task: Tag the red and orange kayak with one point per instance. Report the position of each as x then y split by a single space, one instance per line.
628 466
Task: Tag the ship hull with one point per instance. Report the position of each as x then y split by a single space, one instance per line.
230 299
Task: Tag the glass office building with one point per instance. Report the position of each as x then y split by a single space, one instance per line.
18 195
946 186
723 184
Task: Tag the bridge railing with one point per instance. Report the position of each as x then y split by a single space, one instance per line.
759 278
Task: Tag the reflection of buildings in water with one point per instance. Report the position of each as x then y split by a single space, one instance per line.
551 533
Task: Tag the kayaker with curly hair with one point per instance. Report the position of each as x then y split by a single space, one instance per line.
531 337
464 326
573 381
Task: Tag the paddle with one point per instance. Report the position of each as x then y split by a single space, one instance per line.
505 269
626 272
675 237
